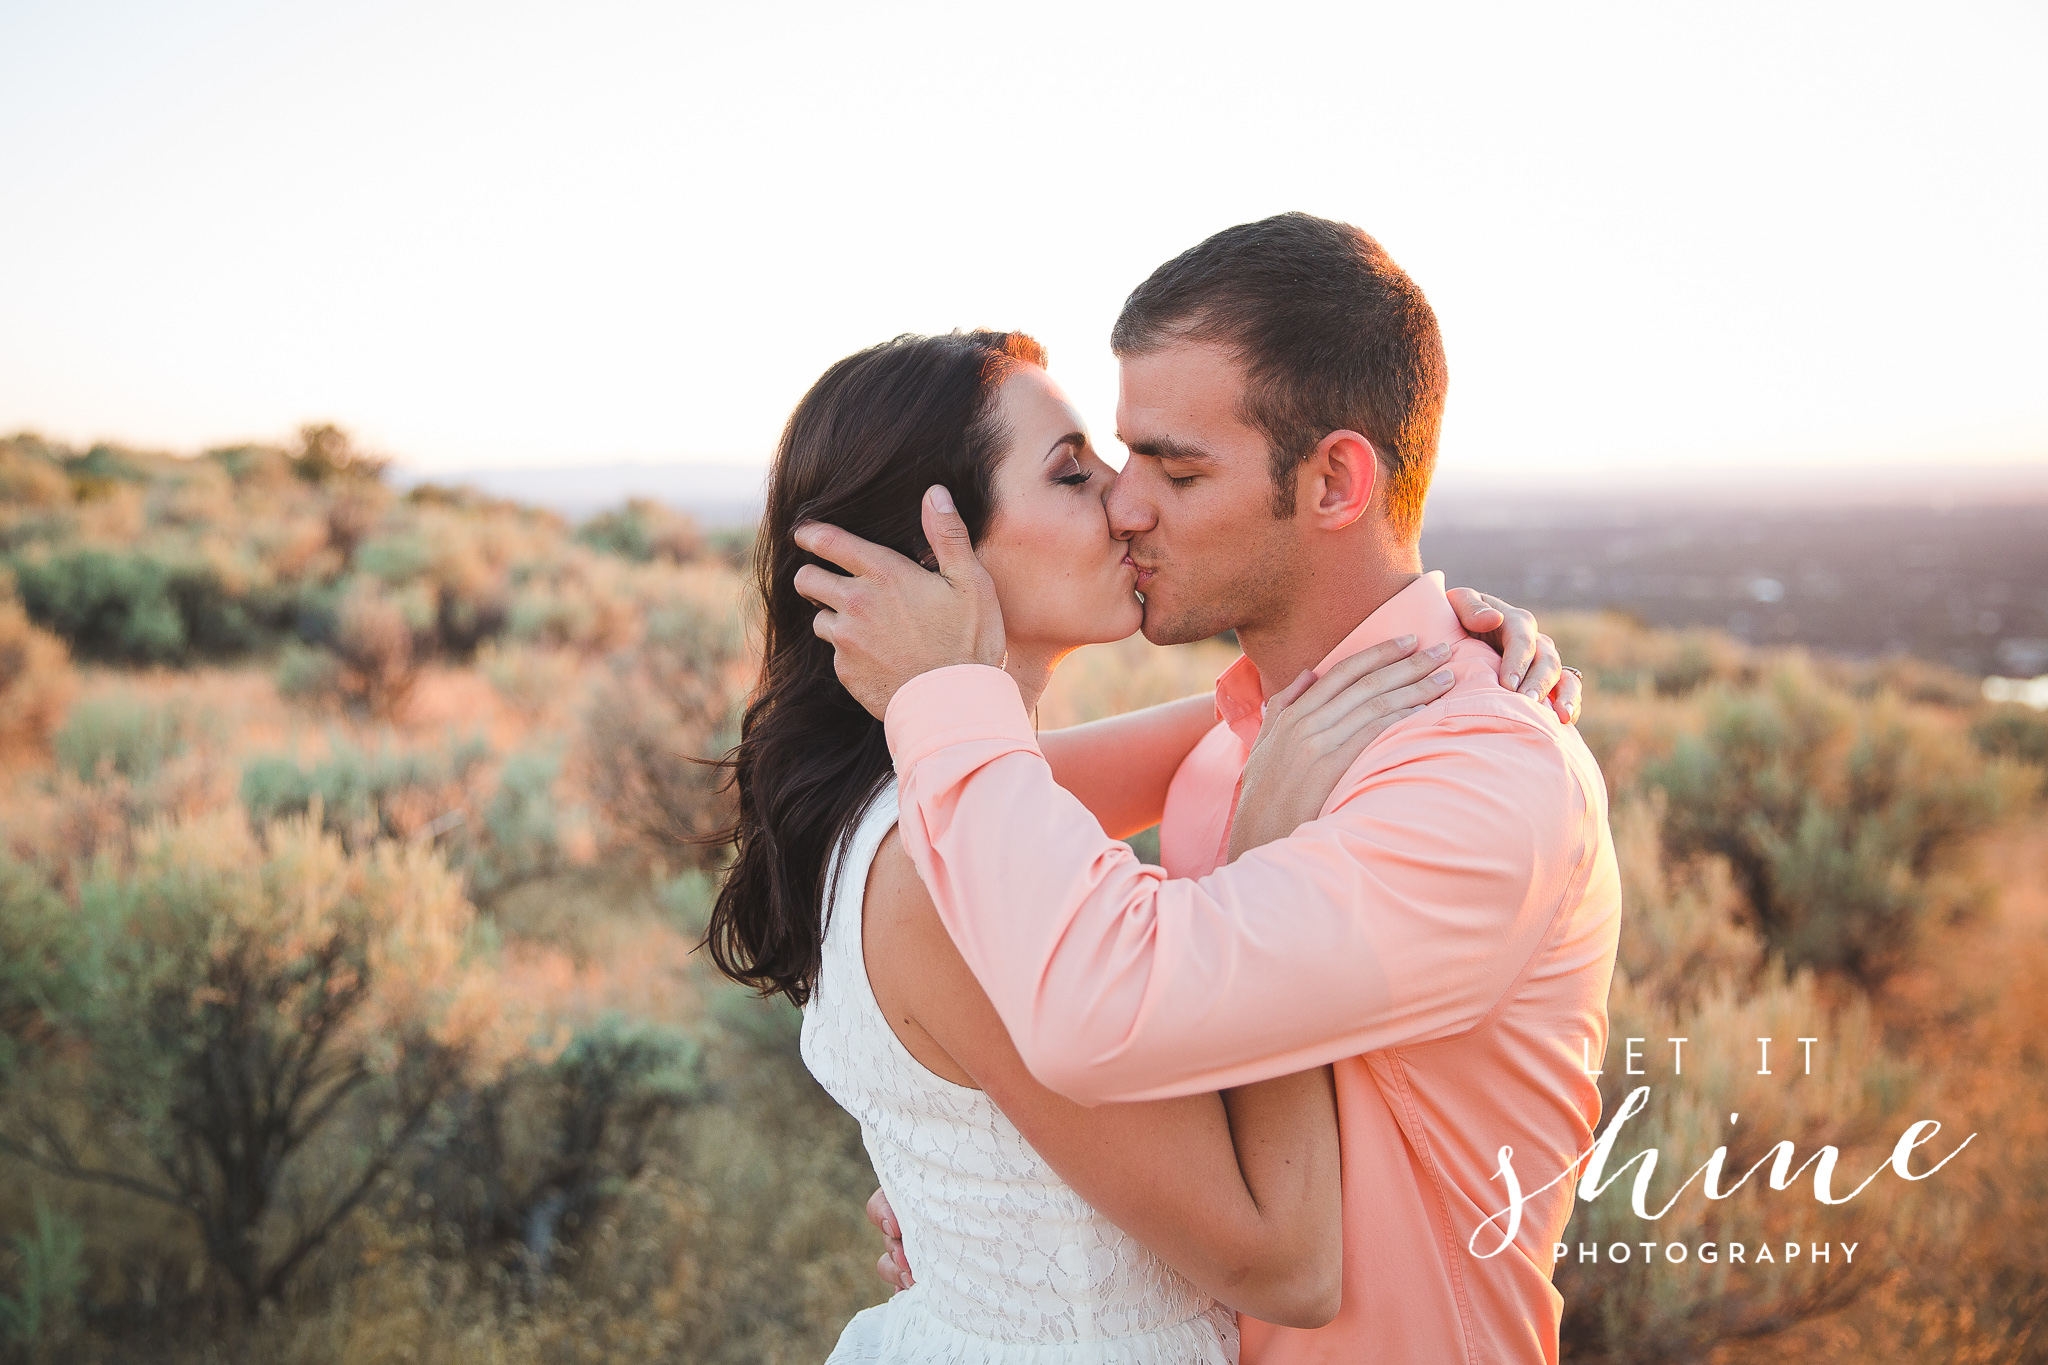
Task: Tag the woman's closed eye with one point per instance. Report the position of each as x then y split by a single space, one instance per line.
1071 471
1065 459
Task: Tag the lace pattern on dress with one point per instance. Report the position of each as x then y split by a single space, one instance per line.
1013 1267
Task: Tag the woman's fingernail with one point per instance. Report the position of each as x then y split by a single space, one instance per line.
1405 642
1442 677
1513 680
1438 651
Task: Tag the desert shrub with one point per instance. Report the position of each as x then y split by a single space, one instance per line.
1846 824
742 1243
584 605
49 1271
35 496
733 544
531 1159
31 476
782 1179
125 735
106 605
141 606
644 530
520 835
1617 655
327 454
248 995
168 559
532 679
23 528
378 640
255 466
1689 967
363 796
2017 734
36 680
353 509
768 1024
1908 678
469 498
104 463
397 558
1654 1312
192 496
476 553
307 673
41 963
463 621
62 826
657 725
687 899
1105 680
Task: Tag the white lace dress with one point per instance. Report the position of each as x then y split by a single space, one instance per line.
1013 1267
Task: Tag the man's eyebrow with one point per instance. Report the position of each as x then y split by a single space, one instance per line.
1166 448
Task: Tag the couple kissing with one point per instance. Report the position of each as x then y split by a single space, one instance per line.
1248 1104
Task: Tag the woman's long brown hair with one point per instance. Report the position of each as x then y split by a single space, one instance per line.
875 431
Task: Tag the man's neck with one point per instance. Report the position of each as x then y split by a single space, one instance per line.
1328 607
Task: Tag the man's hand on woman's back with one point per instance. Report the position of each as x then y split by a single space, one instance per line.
893 1266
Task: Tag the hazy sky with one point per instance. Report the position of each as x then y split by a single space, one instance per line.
1660 237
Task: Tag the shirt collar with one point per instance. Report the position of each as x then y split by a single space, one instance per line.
1421 609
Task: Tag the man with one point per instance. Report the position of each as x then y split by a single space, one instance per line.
1443 931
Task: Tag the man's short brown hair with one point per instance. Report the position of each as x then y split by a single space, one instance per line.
1332 334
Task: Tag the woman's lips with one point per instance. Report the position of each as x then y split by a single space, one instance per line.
1144 574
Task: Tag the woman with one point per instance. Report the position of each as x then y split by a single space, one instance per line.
1045 1233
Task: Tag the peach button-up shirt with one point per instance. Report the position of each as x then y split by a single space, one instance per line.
1444 933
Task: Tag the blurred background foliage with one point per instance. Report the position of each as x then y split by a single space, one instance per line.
351 860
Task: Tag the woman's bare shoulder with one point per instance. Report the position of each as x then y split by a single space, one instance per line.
897 900
911 961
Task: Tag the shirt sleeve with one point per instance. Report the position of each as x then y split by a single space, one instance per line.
1404 914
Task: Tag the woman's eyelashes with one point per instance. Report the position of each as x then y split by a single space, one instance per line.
1070 471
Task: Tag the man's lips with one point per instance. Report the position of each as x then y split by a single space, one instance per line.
1144 574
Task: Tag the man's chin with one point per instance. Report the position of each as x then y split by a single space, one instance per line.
1166 627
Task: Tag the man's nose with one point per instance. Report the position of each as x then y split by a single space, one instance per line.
1130 512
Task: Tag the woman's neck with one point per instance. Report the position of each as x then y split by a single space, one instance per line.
1031 666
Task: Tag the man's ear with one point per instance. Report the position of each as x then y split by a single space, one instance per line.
1343 471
